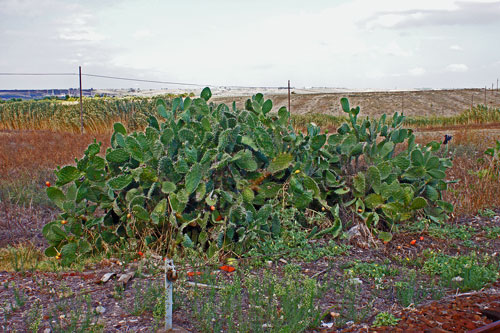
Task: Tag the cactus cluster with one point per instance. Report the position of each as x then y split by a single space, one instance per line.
212 177
389 187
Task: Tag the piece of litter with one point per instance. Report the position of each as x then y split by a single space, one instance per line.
105 278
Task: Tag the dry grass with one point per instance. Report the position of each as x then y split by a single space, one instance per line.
99 114
21 257
23 223
425 103
27 160
25 152
474 190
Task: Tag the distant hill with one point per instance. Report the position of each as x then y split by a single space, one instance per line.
41 93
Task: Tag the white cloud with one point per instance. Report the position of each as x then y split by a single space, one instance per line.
451 13
350 43
375 74
79 27
394 49
142 33
417 71
81 35
459 68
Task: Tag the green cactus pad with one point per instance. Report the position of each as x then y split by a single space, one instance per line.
280 162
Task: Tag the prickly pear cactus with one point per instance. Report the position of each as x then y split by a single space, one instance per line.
208 177
387 188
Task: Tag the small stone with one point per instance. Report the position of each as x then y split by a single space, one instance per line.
356 281
47 330
354 232
468 325
334 314
100 309
124 278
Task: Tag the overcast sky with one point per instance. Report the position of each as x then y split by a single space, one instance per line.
378 44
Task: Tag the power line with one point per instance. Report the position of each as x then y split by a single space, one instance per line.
37 74
143 80
170 82
135 80
129 79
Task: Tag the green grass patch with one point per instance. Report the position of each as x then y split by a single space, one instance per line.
467 272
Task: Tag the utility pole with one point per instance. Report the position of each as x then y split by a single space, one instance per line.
484 95
81 103
289 109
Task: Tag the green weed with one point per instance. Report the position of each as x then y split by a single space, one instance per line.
258 303
413 292
372 269
385 319
467 272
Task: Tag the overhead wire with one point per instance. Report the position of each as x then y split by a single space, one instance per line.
144 80
37 74
136 80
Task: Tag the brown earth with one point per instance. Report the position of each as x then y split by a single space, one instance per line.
454 312
420 103
450 314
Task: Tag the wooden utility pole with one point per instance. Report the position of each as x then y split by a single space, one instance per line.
289 109
484 95
81 103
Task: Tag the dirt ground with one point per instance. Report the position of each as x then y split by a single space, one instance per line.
454 312
421 103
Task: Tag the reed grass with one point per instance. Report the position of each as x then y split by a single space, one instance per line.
99 114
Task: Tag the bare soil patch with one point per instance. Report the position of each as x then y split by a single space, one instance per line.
422 103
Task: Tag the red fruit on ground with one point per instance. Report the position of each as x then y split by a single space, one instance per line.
228 269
